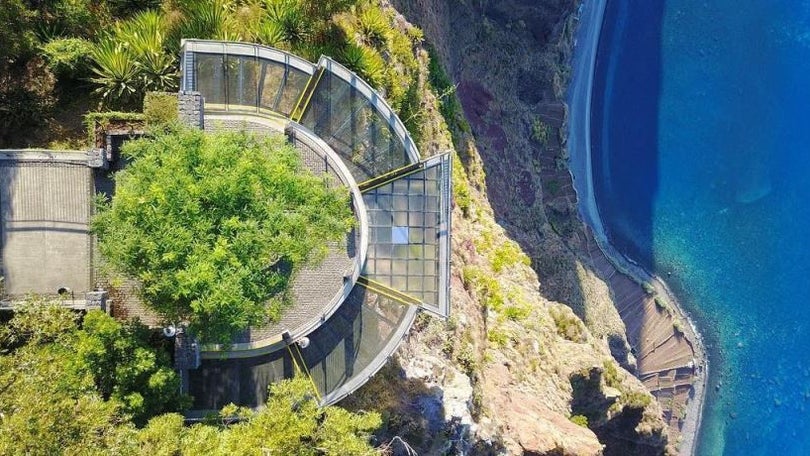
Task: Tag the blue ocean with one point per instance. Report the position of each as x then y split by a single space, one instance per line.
701 159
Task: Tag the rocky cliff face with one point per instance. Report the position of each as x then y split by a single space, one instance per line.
527 364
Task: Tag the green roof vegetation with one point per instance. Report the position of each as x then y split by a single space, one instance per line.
215 226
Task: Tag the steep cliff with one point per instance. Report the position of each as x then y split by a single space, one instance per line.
527 363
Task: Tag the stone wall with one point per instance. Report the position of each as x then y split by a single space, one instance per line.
190 108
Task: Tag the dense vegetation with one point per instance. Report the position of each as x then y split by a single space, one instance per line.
214 226
63 57
102 387
64 386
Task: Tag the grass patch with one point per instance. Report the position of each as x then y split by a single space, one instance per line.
568 326
508 255
580 420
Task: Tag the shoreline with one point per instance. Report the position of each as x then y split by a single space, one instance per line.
579 93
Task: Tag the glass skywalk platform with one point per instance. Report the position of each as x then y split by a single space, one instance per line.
399 256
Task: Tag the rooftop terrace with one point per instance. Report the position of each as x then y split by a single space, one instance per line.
45 206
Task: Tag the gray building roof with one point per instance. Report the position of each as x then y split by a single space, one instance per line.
45 204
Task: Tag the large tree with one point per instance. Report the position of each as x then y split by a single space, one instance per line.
69 390
290 423
214 226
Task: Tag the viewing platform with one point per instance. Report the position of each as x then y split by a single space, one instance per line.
395 263
348 314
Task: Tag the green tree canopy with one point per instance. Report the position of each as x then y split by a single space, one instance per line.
65 389
215 226
291 423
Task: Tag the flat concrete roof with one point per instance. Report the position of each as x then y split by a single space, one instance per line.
44 234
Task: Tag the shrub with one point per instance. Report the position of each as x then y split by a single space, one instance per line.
507 255
498 337
160 109
125 8
466 358
541 132
611 374
580 420
677 326
26 100
484 286
81 18
461 187
636 399
68 57
97 122
568 325
16 32
449 105
517 313
661 303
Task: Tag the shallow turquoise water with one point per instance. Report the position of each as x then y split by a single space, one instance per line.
701 139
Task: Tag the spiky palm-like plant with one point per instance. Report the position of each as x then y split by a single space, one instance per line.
364 61
269 33
373 27
133 60
205 19
145 38
296 26
116 72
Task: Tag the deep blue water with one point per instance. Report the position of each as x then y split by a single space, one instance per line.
701 143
